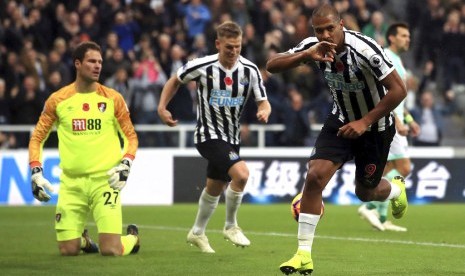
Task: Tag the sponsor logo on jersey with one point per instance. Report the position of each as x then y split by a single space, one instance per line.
102 106
79 124
85 107
233 155
337 82
223 98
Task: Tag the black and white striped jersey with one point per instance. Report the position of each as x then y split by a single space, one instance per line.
354 77
221 95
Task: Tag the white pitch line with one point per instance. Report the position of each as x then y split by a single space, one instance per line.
431 244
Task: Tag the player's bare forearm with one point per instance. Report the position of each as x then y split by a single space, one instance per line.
322 51
396 93
284 61
168 92
264 111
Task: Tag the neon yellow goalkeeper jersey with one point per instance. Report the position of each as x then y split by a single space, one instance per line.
88 125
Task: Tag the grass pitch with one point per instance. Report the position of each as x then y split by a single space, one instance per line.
344 245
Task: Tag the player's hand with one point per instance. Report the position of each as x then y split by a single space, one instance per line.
40 185
262 116
414 129
352 130
119 174
322 51
167 118
402 129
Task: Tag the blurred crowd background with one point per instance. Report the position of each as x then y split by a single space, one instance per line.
144 42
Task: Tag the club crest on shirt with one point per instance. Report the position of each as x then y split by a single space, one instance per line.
58 217
85 107
244 80
102 106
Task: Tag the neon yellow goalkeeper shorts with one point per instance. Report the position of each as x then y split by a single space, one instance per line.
81 196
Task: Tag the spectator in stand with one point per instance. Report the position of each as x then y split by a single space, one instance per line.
377 28
36 65
7 140
89 26
121 82
14 71
362 10
453 50
127 31
70 27
56 64
117 60
38 24
430 117
110 45
26 105
298 129
199 47
430 32
197 16
163 52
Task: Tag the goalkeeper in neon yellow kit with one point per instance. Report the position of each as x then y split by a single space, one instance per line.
88 117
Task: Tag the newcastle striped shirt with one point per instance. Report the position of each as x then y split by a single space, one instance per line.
354 77
221 95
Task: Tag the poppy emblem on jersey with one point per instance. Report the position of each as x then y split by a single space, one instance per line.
85 107
339 66
233 155
102 106
370 170
58 217
375 61
228 81
244 80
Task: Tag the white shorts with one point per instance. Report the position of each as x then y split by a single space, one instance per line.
399 148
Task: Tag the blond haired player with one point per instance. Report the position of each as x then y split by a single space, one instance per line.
88 117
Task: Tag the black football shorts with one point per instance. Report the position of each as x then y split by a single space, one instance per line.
221 156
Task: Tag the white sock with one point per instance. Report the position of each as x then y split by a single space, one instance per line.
207 205
233 201
306 232
395 191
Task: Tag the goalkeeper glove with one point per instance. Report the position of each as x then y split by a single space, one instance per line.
119 174
39 183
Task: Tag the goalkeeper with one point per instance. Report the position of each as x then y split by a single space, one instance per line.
88 117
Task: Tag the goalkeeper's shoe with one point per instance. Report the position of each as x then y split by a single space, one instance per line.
392 227
399 205
235 235
134 230
201 241
301 262
87 245
370 217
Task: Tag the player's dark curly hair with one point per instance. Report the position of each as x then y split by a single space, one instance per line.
82 49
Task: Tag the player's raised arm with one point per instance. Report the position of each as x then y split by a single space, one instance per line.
321 51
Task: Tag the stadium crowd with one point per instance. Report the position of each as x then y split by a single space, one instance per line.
144 42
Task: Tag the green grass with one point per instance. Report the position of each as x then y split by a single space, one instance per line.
344 245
